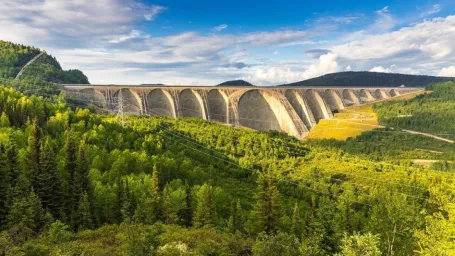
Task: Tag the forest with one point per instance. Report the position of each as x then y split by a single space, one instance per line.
74 182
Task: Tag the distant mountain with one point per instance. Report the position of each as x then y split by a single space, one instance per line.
236 83
371 79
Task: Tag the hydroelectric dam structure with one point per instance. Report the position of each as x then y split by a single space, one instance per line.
294 110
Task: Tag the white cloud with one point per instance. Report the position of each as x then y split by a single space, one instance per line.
434 9
327 64
448 71
381 69
220 28
154 11
133 34
385 20
348 68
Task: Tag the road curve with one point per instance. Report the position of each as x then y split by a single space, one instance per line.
28 64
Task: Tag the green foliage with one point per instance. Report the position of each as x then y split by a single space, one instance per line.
205 214
431 112
360 245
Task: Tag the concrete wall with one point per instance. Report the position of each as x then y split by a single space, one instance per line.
292 110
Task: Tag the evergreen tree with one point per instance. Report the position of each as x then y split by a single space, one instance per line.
12 163
4 120
127 203
267 210
81 179
33 150
156 203
47 180
236 219
5 191
187 212
205 214
297 224
70 167
169 213
84 220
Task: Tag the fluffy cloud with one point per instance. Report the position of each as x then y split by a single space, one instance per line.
327 64
449 71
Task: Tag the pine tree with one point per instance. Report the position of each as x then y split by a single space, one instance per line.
127 204
267 210
297 224
84 220
186 215
236 219
33 150
156 203
5 191
4 120
169 213
81 179
70 166
48 186
205 214
12 163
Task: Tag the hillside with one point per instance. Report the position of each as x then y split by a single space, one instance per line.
371 79
236 83
14 56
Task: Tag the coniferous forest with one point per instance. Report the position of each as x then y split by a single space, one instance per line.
74 182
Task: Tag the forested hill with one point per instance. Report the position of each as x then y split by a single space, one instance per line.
237 83
372 79
15 56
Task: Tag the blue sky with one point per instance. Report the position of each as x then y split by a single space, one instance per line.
208 42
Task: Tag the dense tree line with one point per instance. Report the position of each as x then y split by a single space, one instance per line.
13 57
431 112
371 79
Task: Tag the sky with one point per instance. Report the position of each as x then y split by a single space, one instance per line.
209 42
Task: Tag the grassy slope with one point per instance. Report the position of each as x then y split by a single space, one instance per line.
352 121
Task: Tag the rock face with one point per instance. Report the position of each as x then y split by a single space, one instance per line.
294 110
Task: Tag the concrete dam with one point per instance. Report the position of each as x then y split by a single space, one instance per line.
294 110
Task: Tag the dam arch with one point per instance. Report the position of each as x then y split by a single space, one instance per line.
255 112
160 103
333 100
316 104
380 94
130 101
300 108
394 93
365 95
218 109
93 96
191 104
349 97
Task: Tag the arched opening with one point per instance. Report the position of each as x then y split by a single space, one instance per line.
129 101
190 105
256 113
349 97
300 108
316 105
380 94
160 103
394 93
92 96
333 100
217 106
365 95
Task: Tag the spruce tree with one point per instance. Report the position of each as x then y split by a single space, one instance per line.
205 214
267 210
187 213
297 224
84 219
127 203
236 219
156 203
169 213
70 167
33 150
48 186
5 191
4 120
12 163
81 179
